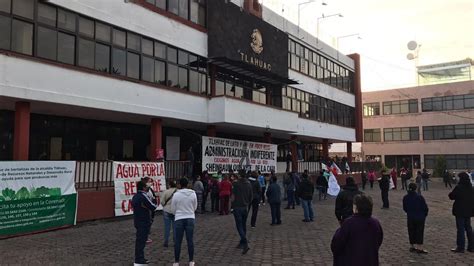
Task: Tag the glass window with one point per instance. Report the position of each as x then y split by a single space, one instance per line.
133 65
47 14
24 8
413 106
66 20
469 101
404 107
66 48
160 72
102 32
458 102
172 55
5 6
160 3
147 46
47 41
86 27
414 133
183 9
194 11
183 78
133 41
219 87
183 57
194 81
172 75
86 53
102 57
119 38
22 37
119 62
173 6
148 69
160 50
5 30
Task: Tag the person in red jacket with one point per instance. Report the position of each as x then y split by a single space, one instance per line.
225 188
393 174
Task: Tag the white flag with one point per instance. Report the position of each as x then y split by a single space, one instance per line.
333 186
347 167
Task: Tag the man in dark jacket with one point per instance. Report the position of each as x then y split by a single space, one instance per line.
425 176
463 210
305 193
274 199
322 185
143 208
359 238
384 184
242 197
345 200
415 206
256 191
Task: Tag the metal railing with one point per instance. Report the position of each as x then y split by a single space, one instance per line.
312 167
176 169
94 174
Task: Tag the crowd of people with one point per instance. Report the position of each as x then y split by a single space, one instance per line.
356 241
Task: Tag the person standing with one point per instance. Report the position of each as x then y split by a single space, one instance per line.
143 208
296 181
205 182
261 182
225 189
425 177
404 178
393 175
289 160
242 196
416 209
463 210
322 185
199 189
418 180
345 200
274 199
447 179
371 176
184 204
214 195
290 192
168 212
359 238
384 184
363 176
305 193
152 195
257 191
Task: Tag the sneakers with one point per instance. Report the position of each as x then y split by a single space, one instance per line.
191 263
176 264
421 251
306 221
457 250
149 241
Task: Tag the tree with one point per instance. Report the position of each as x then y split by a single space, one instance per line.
440 166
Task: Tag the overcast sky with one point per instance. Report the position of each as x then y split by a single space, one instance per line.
444 28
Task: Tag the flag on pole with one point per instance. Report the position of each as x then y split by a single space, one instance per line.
324 166
335 169
333 186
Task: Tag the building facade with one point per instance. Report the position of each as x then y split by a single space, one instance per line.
411 127
120 80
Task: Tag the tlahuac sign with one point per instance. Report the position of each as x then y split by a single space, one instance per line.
239 36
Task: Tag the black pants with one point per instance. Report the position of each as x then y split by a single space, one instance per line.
385 198
214 202
263 194
416 229
404 183
371 184
446 183
140 242
204 201
276 213
254 206
364 182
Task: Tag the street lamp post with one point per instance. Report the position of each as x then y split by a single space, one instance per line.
299 10
347 36
324 17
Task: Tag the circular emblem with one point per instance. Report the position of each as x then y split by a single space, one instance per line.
257 41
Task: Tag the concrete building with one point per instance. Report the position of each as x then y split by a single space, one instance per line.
410 127
120 80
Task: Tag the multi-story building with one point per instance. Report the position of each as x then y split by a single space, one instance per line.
411 127
118 80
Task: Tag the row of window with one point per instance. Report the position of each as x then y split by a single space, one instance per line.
412 133
239 88
309 62
391 107
317 108
446 103
193 10
453 161
69 38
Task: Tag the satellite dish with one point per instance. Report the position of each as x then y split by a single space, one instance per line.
412 45
410 56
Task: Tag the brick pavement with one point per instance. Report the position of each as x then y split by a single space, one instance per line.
293 243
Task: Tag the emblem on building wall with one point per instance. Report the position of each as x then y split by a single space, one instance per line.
257 41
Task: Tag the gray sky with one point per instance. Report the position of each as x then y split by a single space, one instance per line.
444 28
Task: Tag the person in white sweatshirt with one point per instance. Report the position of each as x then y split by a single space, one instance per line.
184 205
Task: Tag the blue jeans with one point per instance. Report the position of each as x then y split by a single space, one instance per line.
425 184
240 216
308 209
463 224
184 226
168 219
276 214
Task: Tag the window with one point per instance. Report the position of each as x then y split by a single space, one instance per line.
401 134
24 8
457 102
119 38
47 41
183 8
160 3
173 6
5 6
183 78
198 12
372 135
47 14
448 132
119 62
453 161
66 20
102 57
22 37
220 87
147 46
86 53
160 50
160 72
133 65
371 109
133 41
400 107
183 58
86 27
148 69
102 32
172 55
5 29
66 48
172 76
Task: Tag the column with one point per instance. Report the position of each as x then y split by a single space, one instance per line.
358 98
156 138
21 132
325 149
349 152
267 137
294 154
212 80
211 131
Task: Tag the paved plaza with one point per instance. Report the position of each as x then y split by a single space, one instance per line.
293 243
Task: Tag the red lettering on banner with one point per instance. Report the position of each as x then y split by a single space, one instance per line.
161 170
127 171
126 187
127 206
130 188
149 169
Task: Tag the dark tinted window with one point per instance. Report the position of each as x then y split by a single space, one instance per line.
86 27
102 32
5 6
23 8
148 69
119 37
47 41
160 50
147 46
133 65
133 41
22 37
160 72
5 29
86 53
119 59
102 57
66 48
47 14
172 76
66 20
